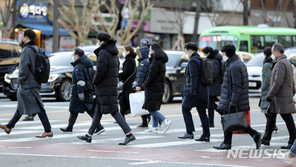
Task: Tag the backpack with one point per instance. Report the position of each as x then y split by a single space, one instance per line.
207 72
42 66
89 73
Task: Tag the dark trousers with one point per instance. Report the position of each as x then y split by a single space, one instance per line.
189 122
117 116
145 119
212 106
42 116
228 135
74 115
271 122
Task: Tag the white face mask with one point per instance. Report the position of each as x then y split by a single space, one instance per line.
273 57
73 58
124 54
187 56
149 55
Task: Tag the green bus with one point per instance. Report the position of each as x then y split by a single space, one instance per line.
250 39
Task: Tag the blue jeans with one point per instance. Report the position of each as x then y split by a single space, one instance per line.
292 151
156 117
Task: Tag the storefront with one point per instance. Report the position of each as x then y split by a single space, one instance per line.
35 15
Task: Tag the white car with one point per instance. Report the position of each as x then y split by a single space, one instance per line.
254 67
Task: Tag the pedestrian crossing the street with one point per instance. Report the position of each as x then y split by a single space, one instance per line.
26 132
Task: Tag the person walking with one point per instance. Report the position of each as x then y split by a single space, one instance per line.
81 98
280 96
214 89
235 94
29 100
154 88
194 94
127 76
105 80
266 75
142 70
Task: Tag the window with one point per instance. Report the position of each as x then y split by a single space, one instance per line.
270 40
243 46
257 43
285 40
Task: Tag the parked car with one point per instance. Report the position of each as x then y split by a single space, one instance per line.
9 58
59 83
175 75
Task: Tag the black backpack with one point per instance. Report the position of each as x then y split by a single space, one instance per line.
42 66
207 72
89 73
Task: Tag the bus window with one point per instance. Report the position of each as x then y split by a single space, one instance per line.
285 40
257 43
243 46
270 40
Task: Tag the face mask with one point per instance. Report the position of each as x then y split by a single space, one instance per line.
273 57
187 56
149 55
73 58
123 54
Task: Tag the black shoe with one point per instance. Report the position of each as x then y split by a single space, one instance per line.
99 130
202 138
85 137
223 146
143 126
265 142
28 118
65 130
275 129
128 139
186 136
258 140
211 125
287 146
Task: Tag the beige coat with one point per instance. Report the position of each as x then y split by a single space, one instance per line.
282 87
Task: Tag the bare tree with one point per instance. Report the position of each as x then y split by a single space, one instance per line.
126 33
8 14
273 18
77 21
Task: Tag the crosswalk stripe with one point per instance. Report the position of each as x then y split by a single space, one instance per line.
59 136
169 144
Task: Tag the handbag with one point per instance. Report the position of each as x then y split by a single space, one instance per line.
120 84
136 103
234 121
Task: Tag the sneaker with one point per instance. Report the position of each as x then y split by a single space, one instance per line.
166 124
289 159
100 130
152 130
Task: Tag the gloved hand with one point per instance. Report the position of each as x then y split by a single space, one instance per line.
81 96
233 107
269 99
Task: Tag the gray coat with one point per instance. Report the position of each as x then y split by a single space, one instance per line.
266 74
29 100
282 87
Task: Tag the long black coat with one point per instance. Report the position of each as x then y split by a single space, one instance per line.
235 87
79 75
106 77
197 94
215 87
154 83
127 76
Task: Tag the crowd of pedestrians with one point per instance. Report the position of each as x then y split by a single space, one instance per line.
228 85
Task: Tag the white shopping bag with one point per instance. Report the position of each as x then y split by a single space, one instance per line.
136 103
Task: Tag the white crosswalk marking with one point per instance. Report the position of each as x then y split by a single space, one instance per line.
26 131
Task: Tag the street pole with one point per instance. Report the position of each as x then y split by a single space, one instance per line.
195 29
55 41
246 12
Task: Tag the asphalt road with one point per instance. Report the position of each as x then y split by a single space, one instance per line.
21 148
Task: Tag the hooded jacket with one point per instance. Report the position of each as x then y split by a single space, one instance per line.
154 83
106 77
